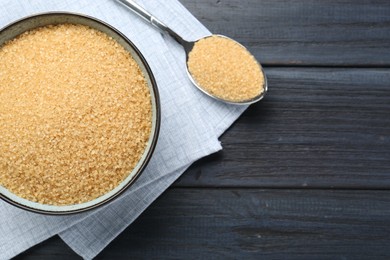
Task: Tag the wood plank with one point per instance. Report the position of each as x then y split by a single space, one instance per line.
248 224
303 32
53 248
323 128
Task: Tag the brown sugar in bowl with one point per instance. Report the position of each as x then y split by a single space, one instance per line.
79 113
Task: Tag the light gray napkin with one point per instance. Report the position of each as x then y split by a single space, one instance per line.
191 125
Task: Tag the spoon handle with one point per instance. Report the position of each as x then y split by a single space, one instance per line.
139 10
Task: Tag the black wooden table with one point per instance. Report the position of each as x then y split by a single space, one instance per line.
303 174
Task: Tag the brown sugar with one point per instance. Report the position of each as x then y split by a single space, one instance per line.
225 69
75 114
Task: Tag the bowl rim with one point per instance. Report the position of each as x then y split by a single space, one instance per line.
157 116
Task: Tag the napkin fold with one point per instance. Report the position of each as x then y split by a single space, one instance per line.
190 126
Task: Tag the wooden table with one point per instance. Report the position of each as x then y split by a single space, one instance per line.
303 174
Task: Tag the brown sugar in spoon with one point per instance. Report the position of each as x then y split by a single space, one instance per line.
217 65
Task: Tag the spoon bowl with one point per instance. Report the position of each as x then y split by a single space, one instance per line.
188 47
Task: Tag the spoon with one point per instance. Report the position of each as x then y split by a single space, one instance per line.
188 46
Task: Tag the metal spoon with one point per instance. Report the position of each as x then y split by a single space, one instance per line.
188 46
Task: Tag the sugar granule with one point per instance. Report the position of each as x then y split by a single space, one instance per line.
225 69
75 114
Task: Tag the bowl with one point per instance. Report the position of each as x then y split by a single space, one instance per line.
53 18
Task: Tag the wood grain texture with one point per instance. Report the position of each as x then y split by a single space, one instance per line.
323 128
303 32
252 224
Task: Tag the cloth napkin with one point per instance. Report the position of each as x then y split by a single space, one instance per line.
190 127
